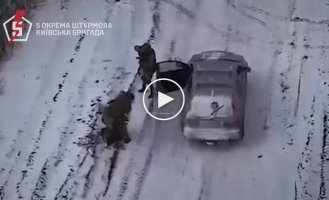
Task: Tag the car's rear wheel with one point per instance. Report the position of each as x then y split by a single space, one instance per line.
181 124
242 129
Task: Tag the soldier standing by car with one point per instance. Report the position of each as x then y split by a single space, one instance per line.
147 64
115 117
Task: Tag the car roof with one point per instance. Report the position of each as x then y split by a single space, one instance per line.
218 76
216 65
219 56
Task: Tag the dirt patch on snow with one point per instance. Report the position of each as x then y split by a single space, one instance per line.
2 87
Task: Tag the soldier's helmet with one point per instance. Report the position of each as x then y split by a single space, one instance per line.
143 48
137 48
146 46
128 95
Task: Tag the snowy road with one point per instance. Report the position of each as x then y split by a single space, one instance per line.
52 86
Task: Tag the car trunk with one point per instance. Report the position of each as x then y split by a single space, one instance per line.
202 114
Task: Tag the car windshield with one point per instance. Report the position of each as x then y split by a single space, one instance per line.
213 83
170 66
211 106
212 55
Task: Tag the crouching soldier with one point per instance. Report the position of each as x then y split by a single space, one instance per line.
147 64
115 117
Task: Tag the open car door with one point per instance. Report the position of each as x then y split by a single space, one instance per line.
175 70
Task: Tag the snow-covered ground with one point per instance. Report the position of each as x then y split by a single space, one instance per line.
51 87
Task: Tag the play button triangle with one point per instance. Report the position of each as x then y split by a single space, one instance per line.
163 99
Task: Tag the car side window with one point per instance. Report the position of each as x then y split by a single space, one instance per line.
176 71
240 74
170 66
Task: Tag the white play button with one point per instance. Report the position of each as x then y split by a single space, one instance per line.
162 112
163 99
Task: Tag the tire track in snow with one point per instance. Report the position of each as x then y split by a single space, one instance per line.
129 168
250 11
76 49
309 21
142 175
93 134
60 87
133 176
182 9
30 161
292 9
39 193
12 146
289 84
4 185
296 191
51 163
42 179
312 165
298 89
228 37
68 188
115 156
31 155
20 132
156 17
140 163
301 72
179 38
172 50
191 27
257 10
233 4
70 185
203 185
126 178
243 8
87 184
155 20
305 160
277 51
113 159
129 175
64 192
61 145
324 156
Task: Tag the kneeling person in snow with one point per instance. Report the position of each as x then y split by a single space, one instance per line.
115 117
147 64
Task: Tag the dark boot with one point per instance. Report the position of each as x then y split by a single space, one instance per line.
127 140
142 89
109 137
119 145
151 93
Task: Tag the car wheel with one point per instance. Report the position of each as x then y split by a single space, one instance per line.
242 131
182 125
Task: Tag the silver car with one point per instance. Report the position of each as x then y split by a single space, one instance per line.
214 83
215 107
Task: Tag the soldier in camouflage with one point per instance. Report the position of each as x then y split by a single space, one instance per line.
147 64
115 117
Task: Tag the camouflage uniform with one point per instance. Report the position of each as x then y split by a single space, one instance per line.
147 64
116 116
